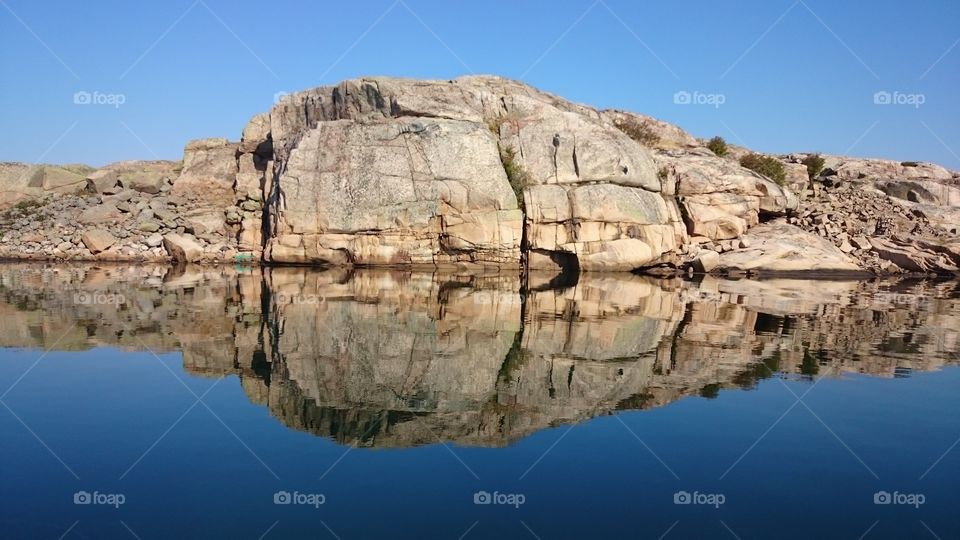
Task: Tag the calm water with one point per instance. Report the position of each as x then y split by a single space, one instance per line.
193 404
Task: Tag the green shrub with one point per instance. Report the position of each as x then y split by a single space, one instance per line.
518 177
638 130
814 163
663 173
28 204
909 164
718 146
768 166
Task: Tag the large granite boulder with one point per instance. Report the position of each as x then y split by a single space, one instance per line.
393 171
778 247
209 171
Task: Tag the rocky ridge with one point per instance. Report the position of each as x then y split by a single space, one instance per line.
482 172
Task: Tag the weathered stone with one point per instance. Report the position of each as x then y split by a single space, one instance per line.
148 226
777 247
209 171
183 248
706 261
98 240
154 240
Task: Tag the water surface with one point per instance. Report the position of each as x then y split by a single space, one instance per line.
189 402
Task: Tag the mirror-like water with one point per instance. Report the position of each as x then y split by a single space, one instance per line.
194 403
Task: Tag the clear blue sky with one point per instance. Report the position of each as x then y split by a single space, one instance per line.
794 76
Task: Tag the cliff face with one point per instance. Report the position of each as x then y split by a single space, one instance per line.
395 358
386 171
484 172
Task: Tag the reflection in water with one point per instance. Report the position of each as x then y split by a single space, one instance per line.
397 359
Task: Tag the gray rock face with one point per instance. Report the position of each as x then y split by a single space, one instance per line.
392 171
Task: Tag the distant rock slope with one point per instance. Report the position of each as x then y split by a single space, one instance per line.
481 172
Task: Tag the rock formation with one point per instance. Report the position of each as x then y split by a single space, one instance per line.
483 172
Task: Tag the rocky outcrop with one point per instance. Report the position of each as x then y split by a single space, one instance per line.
392 171
778 247
23 183
480 172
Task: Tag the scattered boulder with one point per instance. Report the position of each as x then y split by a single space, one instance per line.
182 247
706 261
98 240
778 247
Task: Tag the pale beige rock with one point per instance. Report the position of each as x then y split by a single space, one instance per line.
706 261
98 240
22 181
106 212
721 199
431 190
668 135
182 247
777 247
209 171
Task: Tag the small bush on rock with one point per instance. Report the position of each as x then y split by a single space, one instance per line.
768 166
517 176
638 130
814 163
718 146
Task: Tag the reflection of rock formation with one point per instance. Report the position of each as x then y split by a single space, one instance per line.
385 358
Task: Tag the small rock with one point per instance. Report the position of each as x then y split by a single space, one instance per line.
706 261
98 240
182 247
154 240
148 226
